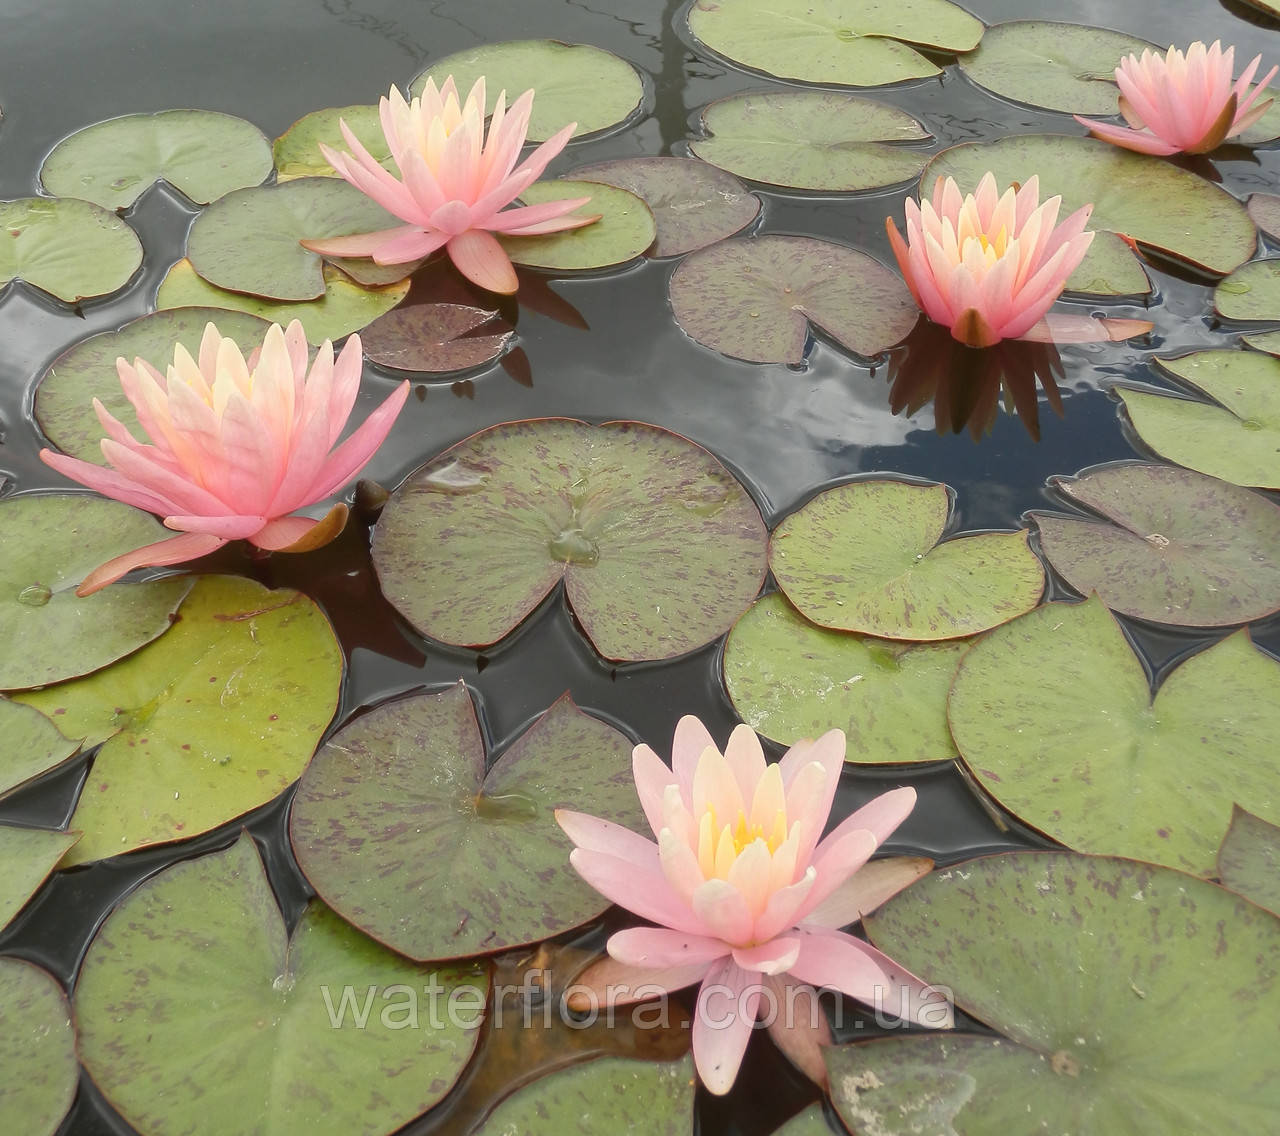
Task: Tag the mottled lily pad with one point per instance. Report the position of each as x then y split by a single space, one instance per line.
857 43
31 746
865 557
433 337
789 679
71 249
625 229
201 153
197 1011
693 204
1249 859
575 82
754 299
38 1067
297 150
659 547
1054 715
28 856
1181 548
49 542
1264 208
1251 292
811 140
402 830
210 721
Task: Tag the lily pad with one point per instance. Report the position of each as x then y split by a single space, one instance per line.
28 855
38 1067
865 557
693 204
1249 859
1251 292
65 394
297 150
1182 548
1098 970
345 307
811 140
32 745
659 547
755 298
201 153
212 720
400 828
433 337
1109 269
1264 208
68 248
790 680
49 542
811 1122
574 82
1054 715
1147 199
857 43
197 1011
1238 439
624 231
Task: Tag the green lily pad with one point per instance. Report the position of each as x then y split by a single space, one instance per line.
1251 292
38 1067
1264 208
65 394
1145 198
693 204
811 1122
811 140
297 150
865 557
433 337
624 231
857 44
68 248
659 547
201 153
1097 970
611 1094
197 1011
1063 67
1109 269
790 680
345 307
49 542
1054 715
1238 439
1182 548
28 856
400 828
1268 341
32 745
1249 859
754 299
210 721
574 82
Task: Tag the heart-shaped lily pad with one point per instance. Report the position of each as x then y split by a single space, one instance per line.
1238 439
789 679
1097 970
433 337
858 43
201 153
297 150
811 140
1054 715
197 1011
1264 208
37 1050
693 204
31 746
210 721
574 82
865 557
1251 292
71 249
1249 859
754 299
400 828
28 856
659 547
625 229
1182 548
64 397
1147 199
49 542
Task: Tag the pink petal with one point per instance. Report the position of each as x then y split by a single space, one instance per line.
905 996
598 835
409 245
282 532
641 888
1142 142
557 225
175 550
659 948
865 890
836 961
231 527
607 982
1076 327
479 257
691 740
350 457
652 778
725 1014
358 244
838 857
108 482
722 911
774 957
797 1025
528 215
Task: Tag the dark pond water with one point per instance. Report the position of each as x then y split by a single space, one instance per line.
785 431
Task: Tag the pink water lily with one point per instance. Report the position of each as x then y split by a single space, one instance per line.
1188 103
236 446
746 896
454 184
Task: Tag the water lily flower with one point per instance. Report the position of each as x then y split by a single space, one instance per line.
746 897
1175 102
990 265
236 446
454 183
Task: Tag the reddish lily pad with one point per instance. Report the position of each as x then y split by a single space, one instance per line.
31 746
37 1050
198 1011
433 337
401 829
69 248
659 547
28 856
625 228
754 299
1251 292
1182 548
1264 208
1249 859
297 151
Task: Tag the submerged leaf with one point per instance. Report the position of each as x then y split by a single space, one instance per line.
1249 859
